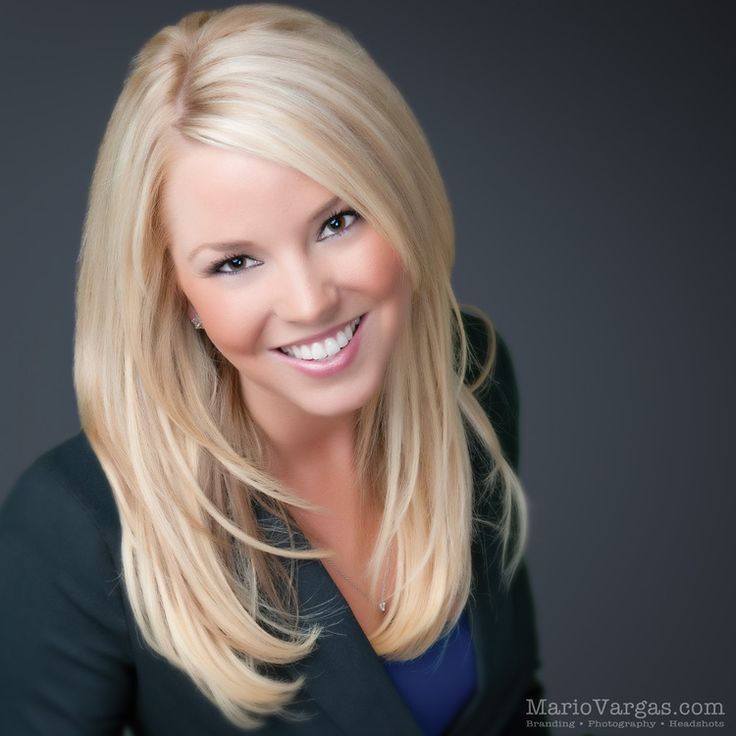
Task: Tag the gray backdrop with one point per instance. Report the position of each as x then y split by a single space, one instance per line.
588 148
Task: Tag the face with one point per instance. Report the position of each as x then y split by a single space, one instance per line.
278 270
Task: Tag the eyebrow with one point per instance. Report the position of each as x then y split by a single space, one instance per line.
321 211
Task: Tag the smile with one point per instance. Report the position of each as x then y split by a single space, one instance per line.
327 348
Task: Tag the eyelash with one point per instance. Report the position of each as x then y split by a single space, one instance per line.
217 265
340 213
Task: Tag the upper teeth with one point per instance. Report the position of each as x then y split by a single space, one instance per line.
324 348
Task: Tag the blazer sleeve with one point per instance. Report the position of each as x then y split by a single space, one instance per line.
65 664
499 397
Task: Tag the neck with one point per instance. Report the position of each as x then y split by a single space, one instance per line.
313 455
315 458
295 438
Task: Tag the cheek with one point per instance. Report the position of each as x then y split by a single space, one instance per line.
230 315
381 271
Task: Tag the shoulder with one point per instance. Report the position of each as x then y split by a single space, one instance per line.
62 499
65 650
498 394
484 338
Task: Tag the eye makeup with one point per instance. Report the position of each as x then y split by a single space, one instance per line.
238 262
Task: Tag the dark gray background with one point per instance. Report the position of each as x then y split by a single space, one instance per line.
588 148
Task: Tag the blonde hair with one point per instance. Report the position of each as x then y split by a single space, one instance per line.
162 409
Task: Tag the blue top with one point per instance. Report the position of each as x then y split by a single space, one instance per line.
437 685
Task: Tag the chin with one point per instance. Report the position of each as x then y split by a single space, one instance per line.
346 400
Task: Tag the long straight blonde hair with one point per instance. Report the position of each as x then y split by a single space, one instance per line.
162 409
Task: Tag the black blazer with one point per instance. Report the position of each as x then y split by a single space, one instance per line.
72 661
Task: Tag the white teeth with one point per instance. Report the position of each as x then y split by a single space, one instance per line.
331 347
325 348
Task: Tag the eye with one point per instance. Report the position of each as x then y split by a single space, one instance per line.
338 223
234 264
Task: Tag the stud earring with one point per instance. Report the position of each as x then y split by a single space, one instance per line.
197 322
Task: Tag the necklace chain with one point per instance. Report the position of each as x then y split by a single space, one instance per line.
381 605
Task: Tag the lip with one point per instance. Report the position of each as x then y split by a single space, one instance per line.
328 366
318 337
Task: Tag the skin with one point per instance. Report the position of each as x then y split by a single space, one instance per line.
295 277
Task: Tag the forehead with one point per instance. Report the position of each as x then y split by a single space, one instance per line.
213 193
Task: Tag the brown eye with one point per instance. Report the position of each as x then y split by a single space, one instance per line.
234 264
339 223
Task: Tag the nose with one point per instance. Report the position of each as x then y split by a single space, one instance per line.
307 291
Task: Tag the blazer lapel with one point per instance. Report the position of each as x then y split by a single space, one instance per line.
344 675
347 680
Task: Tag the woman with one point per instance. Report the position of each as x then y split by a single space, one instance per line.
288 506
